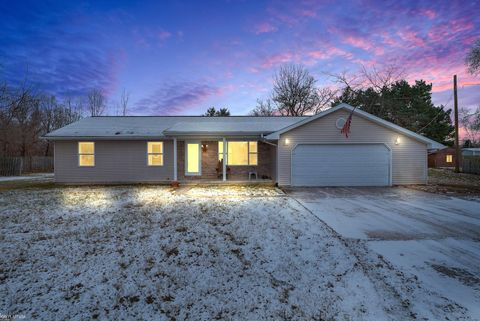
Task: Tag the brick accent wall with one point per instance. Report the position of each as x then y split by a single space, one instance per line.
265 167
439 158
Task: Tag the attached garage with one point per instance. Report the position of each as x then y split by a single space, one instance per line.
314 151
341 165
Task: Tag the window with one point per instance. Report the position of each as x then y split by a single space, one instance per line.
252 153
155 153
240 153
86 154
449 158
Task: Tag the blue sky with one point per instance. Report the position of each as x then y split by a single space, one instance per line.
181 57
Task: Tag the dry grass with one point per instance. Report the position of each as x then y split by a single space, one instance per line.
446 181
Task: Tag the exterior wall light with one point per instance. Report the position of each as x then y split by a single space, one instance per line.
397 140
287 141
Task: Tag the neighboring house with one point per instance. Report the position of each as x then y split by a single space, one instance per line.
471 151
290 151
442 158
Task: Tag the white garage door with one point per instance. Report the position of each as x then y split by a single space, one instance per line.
341 165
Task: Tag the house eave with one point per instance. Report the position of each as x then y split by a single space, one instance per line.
53 138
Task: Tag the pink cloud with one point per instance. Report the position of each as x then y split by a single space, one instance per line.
378 51
293 13
147 38
308 13
389 40
318 54
444 32
329 52
362 43
429 13
411 37
277 59
265 27
164 35
177 98
439 72
358 42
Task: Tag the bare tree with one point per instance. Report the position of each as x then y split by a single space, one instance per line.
15 109
325 99
74 108
473 58
96 102
25 116
374 77
124 102
374 80
470 121
294 91
295 94
264 108
55 115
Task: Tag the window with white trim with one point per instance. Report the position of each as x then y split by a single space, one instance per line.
86 154
239 152
155 153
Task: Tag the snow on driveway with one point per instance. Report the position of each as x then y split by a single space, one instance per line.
148 252
435 238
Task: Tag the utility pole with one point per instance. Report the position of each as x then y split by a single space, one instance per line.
455 106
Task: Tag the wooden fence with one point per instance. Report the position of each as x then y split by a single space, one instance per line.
14 166
471 164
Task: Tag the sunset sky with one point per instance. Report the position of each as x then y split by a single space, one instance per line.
181 57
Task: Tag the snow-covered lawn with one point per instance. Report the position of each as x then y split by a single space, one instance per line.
197 253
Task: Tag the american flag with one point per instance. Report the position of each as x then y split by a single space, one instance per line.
346 127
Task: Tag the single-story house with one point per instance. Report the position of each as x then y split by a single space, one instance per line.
290 151
442 158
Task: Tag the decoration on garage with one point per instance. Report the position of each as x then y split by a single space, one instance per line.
346 127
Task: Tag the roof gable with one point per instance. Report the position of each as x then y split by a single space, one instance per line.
431 143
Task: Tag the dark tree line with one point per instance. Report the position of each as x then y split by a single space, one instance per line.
212 112
25 116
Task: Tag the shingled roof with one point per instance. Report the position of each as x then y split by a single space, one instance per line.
138 127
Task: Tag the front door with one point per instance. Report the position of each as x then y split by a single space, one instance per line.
193 159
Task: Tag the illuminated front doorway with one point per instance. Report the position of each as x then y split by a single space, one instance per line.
193 159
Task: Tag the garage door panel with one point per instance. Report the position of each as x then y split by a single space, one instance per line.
341 165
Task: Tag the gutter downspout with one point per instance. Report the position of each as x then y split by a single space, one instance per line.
263 140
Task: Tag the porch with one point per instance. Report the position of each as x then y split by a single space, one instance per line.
248 161
206 182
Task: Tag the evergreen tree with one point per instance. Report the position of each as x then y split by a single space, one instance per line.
406 105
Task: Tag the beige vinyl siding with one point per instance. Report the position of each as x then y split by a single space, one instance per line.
115 162
409 158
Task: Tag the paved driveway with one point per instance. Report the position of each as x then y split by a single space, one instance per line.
433 237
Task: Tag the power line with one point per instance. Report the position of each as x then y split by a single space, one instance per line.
438 114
